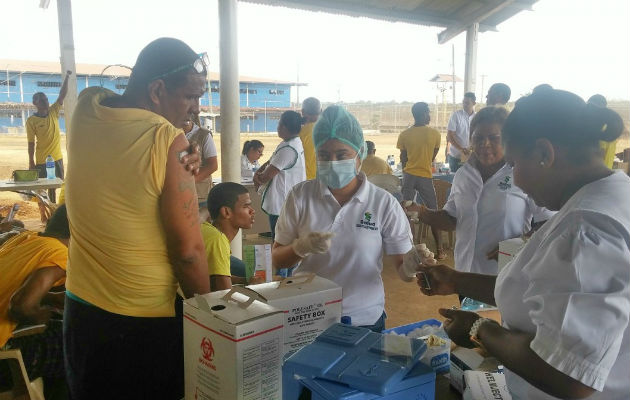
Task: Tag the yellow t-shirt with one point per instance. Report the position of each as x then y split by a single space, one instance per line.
373 165
420 143
217 250
118 258
19 257
44 132
310 158
610 149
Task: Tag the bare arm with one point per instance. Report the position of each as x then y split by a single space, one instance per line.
283 256
210 166
435 152
64 89
438 219
513 350
477 286
180 216
26 303
31 155
450 136
403 157
220 282
266 175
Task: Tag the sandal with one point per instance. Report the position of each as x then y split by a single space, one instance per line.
441 255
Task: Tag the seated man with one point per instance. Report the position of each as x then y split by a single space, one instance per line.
30 265
230 209
373 165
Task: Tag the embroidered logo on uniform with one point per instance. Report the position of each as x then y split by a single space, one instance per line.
367 223
505 183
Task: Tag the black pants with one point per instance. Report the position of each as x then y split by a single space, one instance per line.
112 356
58 173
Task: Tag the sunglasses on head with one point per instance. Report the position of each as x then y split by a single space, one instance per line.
198 65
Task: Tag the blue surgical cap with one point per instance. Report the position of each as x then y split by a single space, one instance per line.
337 123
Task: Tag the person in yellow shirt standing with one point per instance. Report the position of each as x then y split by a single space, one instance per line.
42 133
373 165
311 108
608 148
30 265
135 229
418 147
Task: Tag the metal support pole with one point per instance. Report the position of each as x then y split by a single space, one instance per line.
470 76
22 101
454 82
230 102
66 44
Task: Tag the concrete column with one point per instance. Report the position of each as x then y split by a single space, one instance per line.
470 76
66 44
230 103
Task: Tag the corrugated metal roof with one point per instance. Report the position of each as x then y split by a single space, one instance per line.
453 15
50 67
445 78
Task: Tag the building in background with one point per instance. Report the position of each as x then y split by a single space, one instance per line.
262 100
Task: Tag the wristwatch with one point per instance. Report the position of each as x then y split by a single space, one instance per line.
475 328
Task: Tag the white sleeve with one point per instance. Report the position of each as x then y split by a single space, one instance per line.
452 123
288 221
395 229
209 149
284 158
579 296
540 214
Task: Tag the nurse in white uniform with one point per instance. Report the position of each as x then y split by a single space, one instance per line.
565 299
484 207
339 225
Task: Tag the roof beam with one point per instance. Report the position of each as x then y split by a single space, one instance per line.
479 15
360 10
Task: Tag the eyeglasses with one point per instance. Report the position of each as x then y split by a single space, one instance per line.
493 139
198 65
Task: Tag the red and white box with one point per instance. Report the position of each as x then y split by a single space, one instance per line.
310 303
233 347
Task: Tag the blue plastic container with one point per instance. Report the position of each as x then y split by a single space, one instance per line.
441 362
353 363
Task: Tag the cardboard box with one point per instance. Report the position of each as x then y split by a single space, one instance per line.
257 259
508 249
310 303
463 359
481 385
232 347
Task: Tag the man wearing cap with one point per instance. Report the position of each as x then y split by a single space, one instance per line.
135 229
418 147
311 108
339 225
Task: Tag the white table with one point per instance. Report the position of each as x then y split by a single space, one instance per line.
41 183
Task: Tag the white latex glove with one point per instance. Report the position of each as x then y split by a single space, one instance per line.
420 254
314 242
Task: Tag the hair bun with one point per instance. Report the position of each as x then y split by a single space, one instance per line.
603 123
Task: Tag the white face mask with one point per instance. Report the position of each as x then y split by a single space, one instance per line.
337 174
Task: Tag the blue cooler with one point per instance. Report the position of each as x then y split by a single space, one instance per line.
352 363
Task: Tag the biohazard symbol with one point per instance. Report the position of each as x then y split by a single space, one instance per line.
207 349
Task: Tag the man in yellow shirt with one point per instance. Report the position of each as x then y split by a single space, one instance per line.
418 147
608 148
42 133
311 108
135 229
230 209
373 165
30 265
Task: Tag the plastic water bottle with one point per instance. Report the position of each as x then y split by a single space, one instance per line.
391 161
50 167
346 319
